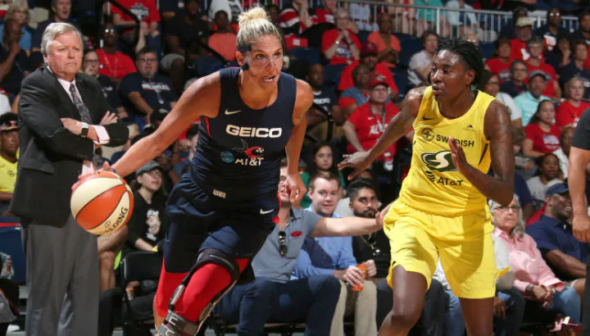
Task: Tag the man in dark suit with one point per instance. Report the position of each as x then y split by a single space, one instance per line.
63 118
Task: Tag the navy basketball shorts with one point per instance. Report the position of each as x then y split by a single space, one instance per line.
202 221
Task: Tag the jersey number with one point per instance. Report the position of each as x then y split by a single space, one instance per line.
440 161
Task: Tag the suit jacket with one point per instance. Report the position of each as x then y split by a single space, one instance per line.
51 157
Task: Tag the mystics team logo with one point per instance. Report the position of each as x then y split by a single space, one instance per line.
254 155
439 161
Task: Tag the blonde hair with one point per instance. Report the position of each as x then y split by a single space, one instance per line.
253 24
520 226
15 6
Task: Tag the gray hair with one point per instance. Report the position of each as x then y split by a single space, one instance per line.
520 224
53 31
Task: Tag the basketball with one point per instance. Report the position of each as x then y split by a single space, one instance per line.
101 203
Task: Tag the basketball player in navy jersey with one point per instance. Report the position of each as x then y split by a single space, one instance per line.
223 209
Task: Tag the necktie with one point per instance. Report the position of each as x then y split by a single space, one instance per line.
85 115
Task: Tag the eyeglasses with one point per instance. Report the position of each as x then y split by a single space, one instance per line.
554 14
283 248
155 173
109 31
506 209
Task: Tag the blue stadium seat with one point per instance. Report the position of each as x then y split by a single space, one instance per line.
400 77
207 65
363 36
402 37
332 74
311 55
409 48
487 50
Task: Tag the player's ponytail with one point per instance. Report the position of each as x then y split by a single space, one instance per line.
254 23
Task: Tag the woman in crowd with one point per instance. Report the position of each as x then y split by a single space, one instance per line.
518 74
148 222
542 136
20 13
320 159
570 111
547 172
500 64
534 278
490 84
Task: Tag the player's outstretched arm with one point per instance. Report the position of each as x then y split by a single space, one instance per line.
303 102
397 127
349 226
200 99
498 129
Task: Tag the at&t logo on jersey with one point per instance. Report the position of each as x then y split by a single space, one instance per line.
253 132
440 161
442 180
254 155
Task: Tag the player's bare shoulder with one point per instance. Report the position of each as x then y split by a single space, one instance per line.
414 99
497 120
204 94
303 101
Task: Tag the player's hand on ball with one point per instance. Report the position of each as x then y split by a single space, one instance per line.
458 156
358 161
296 187
581 227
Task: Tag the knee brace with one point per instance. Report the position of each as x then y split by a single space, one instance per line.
176 325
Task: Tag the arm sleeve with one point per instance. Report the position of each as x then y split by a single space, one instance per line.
582 133
310 220
116 134
542 238
304 267
128 85
134 232
345 102
38 114
154 13
346 257
327 40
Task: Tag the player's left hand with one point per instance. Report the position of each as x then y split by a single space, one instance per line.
296 188
371 268
458 156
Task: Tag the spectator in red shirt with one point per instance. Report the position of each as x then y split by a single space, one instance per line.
500 65
535 48
524 32
387 44
368 122
570 111
113 63
296 18
341 45
148 15
357 95
369 58
542 136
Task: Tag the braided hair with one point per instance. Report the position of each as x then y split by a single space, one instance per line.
469 54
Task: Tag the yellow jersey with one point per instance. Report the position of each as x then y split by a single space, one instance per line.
7 175
434 185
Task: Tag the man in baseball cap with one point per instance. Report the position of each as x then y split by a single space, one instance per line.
528 101
369 52
8 157
554 237
523 29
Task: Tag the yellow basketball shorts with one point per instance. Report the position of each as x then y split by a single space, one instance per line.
464 244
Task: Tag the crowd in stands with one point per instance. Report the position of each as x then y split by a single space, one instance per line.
359 69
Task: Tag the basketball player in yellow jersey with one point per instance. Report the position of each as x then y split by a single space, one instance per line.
442 210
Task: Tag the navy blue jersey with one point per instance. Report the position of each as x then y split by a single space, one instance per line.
239 152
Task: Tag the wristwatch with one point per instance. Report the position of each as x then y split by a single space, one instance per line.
84 130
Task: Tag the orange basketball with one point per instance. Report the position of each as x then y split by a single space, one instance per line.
101 203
